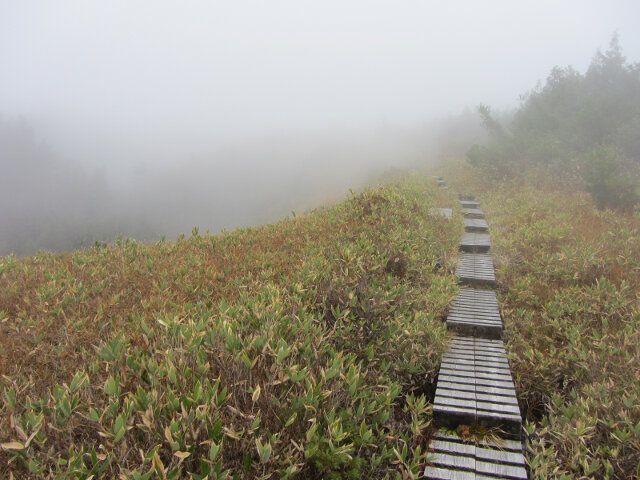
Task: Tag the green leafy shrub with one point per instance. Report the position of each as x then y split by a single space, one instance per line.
608 182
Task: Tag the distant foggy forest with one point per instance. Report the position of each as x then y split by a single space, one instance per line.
48 202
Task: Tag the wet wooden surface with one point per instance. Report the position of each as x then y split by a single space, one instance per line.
477 225
474 383
475 312
454 457
475 386
475 242
472 213
475 269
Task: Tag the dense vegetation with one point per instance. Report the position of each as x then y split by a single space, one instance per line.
568 280
306 348
582 128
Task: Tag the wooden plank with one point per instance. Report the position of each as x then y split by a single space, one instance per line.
436 473
455 393
455 448
501 471
498 456
475 225
472 213
460 403
489 459
459 387
469 204
475 242
453 461
498 408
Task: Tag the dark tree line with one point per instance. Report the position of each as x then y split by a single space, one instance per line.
582 127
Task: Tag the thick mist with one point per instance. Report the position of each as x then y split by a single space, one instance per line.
148 119
55 203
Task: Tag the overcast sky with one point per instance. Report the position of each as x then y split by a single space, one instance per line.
121 77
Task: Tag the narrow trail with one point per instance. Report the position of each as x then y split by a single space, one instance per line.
475 387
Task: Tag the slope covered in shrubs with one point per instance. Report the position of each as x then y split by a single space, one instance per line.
568 281
302 349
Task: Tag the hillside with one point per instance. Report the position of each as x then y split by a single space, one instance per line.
307 348
568 280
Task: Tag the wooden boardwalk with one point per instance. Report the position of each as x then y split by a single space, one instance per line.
475 312
476 269
477 225
469 204
475 386
475 242
472 213
489 459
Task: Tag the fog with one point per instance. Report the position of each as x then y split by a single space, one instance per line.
149 118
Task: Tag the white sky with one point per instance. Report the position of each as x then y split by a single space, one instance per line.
175 78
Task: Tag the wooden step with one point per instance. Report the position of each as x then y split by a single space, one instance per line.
475 387
472 213
477 225
475 242
466 197
475 312
475 269
469 204
455 458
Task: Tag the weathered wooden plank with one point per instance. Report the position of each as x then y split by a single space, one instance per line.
435 473
501 471
496 390
458 387
468 310
489 459
475 225
460 403
443 377
472 213
456 393
497 456
497 408
455 461
454 448
469 204
475 242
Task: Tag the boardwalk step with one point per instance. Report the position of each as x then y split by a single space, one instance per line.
475 312
466 197
475 387
453 458
472 213
475 269
475 242
469 204
478 225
